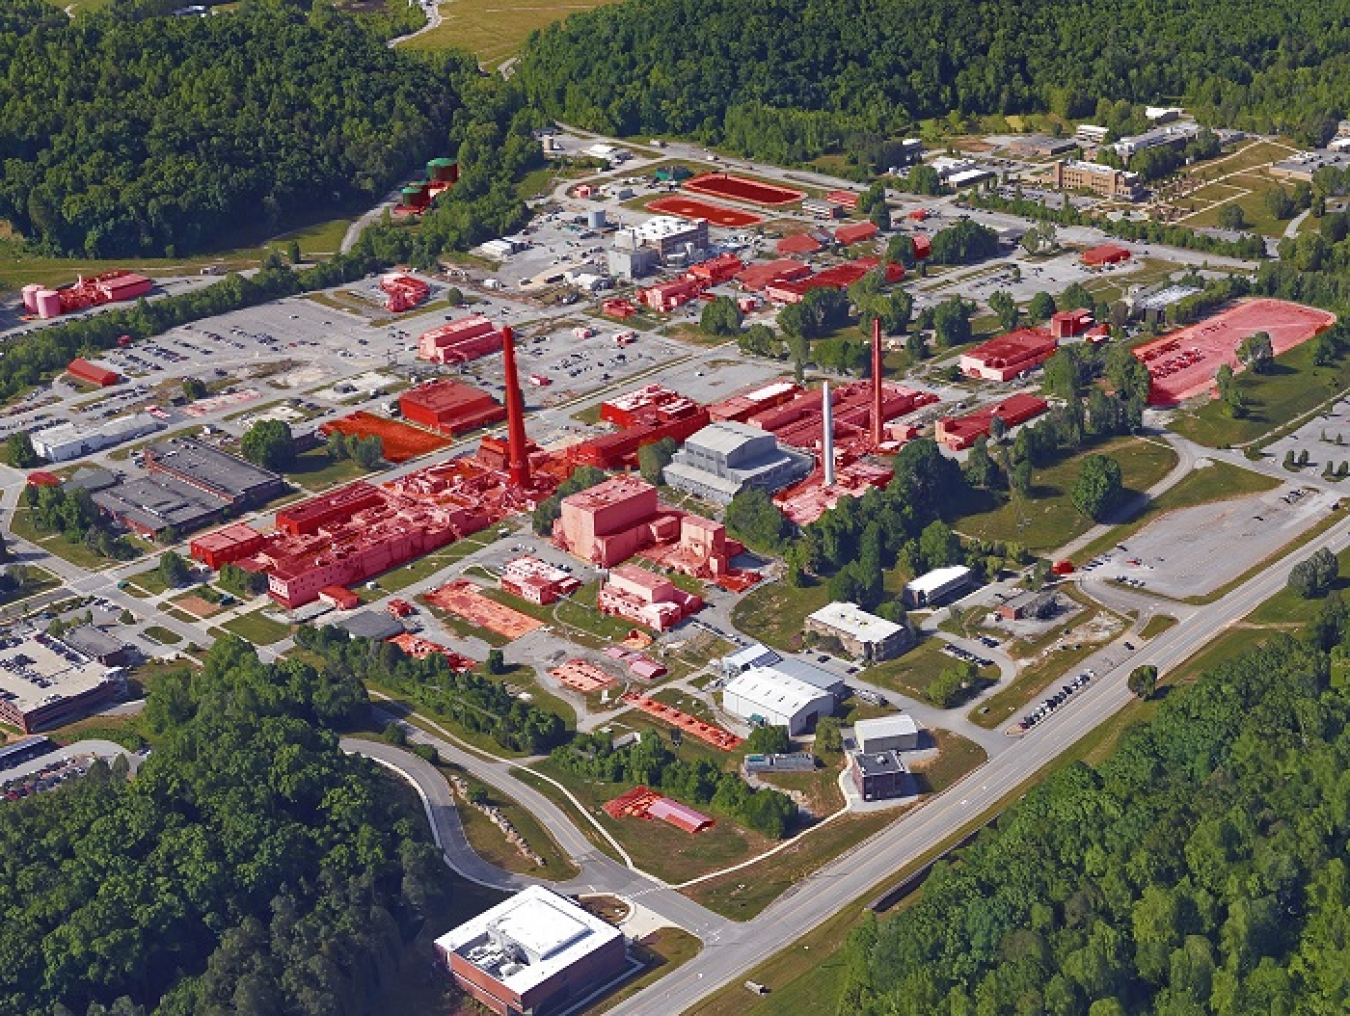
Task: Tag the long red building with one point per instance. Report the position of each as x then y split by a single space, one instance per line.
450 407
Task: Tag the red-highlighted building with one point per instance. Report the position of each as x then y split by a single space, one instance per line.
611 522
646 416
460 341
1106 254
798 243
849 199
717 270
1068 323
960 432
403 292
645 598
666 296
92 373
923 248
856 233
537 581
1010 355
226 546
798 422
450 407
742 406
760 275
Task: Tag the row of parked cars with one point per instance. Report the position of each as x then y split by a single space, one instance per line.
49 776
967 655
1056 700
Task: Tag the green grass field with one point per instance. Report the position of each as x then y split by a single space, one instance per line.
1248 192
1157 624
315 471
1047 518
162 635
493 31
1293 387
21 524
258 629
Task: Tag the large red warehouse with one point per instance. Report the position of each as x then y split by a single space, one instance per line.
450 407
460 341
960 432
1106 254
92 373
1010 355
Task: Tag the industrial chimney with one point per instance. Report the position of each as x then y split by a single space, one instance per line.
827 438
877 421
518 456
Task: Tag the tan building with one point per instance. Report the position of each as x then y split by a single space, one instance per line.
1072 174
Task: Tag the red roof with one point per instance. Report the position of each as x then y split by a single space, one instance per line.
799 243
1014 346
856 232
92 372
679 815
42 478
761 274
1106 254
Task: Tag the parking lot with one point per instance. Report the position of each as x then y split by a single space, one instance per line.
1194 551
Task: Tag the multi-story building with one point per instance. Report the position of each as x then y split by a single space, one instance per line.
864 635
1109 182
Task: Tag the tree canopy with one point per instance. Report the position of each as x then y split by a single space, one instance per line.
128 134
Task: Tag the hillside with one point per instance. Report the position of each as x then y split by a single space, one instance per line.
789 79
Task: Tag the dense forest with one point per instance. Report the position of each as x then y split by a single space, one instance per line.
250 867
1202 869
127 134
788 79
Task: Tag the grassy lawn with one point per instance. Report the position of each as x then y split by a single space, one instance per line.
742 894
128 731
490 843
492 32
1253 203
578 612
39 581
21 524
911 673
662 951
774 612
1157 624
258 629
1219 481
1048 519
658 847
315 471
163 635
1287 607
318 238
400 578
437 723
957 756
1292 387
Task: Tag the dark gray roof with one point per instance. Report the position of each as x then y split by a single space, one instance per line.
879 763
92 478
368 624
91 641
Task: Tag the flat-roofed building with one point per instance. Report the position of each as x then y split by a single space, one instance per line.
937 585
45 683
665 234
1109 182
98 645
65 441
537 581
723 459
864 635
886 733
219 474
534 953
1042 144
881 776
767 697
1010 355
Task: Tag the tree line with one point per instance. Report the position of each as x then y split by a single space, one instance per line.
791 79
250 867
1199 869
652 763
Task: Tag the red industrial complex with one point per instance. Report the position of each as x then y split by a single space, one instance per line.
110 287
1183 364
1068 323
537 581
738 188
958 432
693 208
645 416
1009 355
460 341
416 198
347 536
1106 254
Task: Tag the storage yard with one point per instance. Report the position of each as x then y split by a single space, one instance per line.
693 208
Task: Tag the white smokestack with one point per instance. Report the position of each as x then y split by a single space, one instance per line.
827 441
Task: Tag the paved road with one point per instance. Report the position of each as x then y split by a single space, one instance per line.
102 749
599 872
865 868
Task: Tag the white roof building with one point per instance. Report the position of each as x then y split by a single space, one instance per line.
769 697
866 636
526 942
66 441
939 582
886 733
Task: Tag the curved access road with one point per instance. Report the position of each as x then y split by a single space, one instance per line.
866 868
599 872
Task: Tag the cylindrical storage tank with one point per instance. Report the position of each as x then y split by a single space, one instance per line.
595 218
30 293
48 303
442 170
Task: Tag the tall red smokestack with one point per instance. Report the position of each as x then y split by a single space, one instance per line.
518 457
877 421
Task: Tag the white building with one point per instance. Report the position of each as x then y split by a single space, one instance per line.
866 636
769 698
886 733
67 441
928 589
723 459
